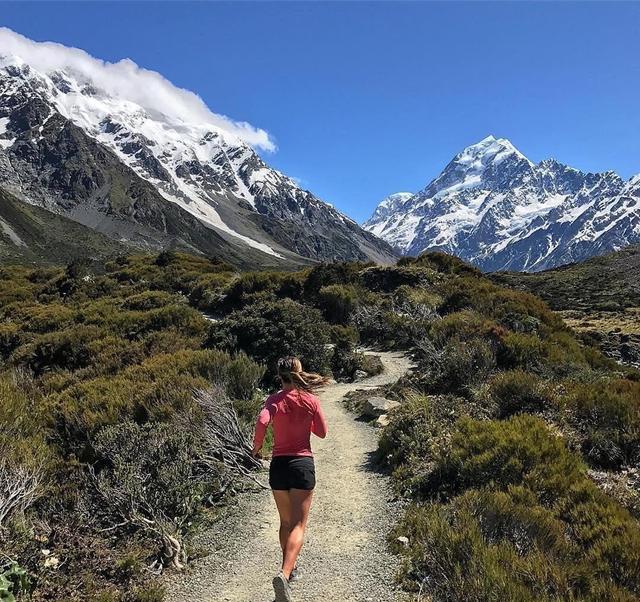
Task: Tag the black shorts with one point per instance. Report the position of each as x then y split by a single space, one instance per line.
292 472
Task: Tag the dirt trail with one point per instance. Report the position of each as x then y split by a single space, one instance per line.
345 557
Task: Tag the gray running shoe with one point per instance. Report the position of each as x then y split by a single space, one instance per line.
281 588
296 574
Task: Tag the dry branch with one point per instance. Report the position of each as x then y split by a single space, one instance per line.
224 439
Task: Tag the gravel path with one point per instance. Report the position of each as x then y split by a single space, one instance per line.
345 557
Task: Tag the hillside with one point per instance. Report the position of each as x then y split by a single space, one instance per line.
502 427
605 283
30 234
599 298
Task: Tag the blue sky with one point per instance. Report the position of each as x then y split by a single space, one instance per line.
365 99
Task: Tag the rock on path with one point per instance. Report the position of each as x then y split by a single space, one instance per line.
345 557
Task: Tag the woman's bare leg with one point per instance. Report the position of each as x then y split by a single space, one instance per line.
283 503
300 504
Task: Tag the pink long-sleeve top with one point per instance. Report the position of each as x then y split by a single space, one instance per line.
295 414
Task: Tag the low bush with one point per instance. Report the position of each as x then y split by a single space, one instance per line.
267 331
519 499
456 367
517 391
337 302
147 476
607 415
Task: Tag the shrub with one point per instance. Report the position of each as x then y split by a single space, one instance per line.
148 300
524 502
457 366
9 338
517 391
443 263
326 274
148 479
492 545
607 414
516 451
267 331
337 302
65 349
520 350
417 435
389 278
155 390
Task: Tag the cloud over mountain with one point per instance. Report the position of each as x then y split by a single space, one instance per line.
126 80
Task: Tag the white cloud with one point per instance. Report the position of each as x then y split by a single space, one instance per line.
127 80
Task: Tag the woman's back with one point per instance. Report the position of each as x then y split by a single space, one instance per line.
295 414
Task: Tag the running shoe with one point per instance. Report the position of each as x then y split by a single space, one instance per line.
296 574
282 588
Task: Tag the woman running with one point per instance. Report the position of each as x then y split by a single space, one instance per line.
295 413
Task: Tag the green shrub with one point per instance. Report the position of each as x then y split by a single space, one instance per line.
326 274
490 546
607 414
520 350
387 279
442 262
65 349
517 451
148 300
267 331
517 391
337 302
457 367
148 477
14 581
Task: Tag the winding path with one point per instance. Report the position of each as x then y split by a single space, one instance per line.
345 558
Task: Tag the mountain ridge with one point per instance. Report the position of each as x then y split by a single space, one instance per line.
204 170
497 209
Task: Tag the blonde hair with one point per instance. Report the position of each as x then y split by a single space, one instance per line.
290 372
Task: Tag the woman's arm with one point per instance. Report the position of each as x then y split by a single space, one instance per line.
319 425
264 418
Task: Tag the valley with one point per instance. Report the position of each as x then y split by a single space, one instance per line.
509 432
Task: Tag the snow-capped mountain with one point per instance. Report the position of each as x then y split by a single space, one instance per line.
103 142
495 208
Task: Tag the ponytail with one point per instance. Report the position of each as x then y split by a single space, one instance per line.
290 371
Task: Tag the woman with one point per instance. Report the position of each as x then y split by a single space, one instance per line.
295 413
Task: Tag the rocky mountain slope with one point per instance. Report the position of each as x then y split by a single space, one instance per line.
91 146
495 208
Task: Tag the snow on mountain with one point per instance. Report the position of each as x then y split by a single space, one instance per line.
203 162
494 207
387 207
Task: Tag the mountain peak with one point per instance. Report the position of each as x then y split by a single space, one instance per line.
492 206
488 150
387 207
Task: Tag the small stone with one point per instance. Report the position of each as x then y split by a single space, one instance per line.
382 421
51 562
403 540
359 375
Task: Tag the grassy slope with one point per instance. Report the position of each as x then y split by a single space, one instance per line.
609 282
48 238
599 298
